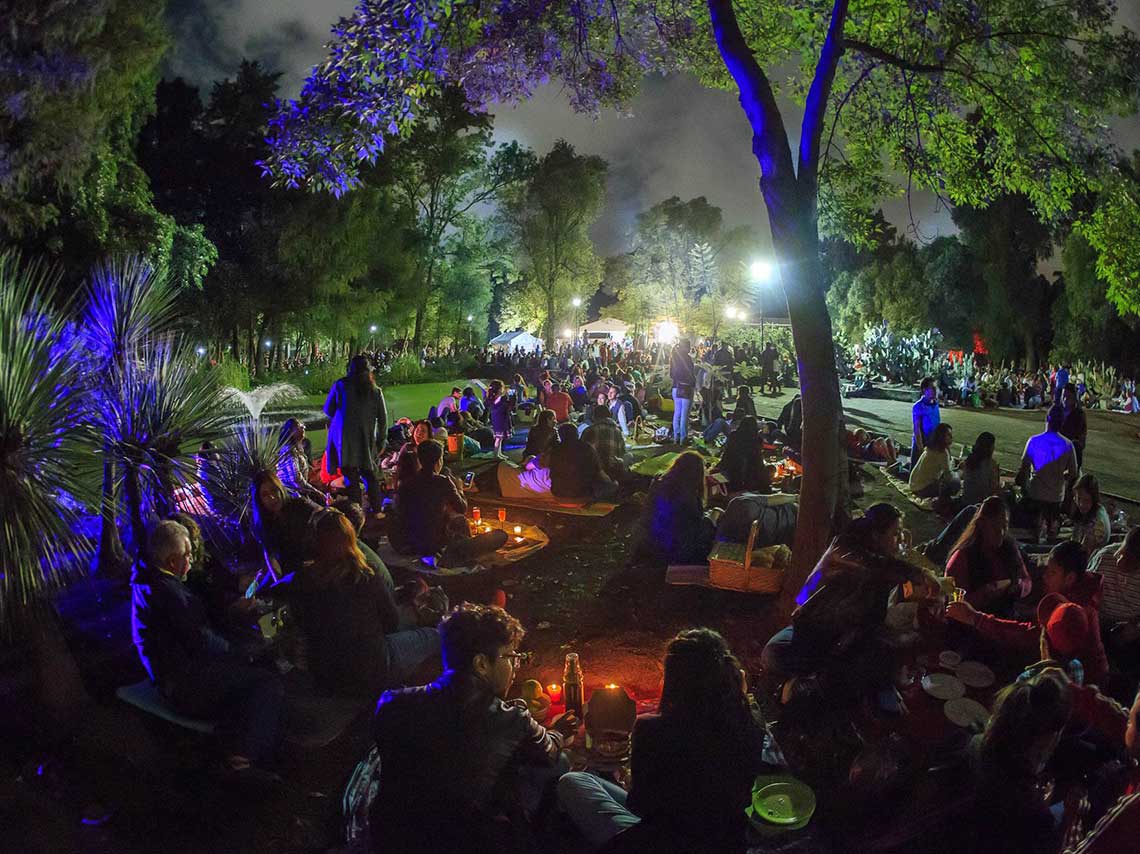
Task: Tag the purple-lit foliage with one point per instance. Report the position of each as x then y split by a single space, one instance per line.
44 444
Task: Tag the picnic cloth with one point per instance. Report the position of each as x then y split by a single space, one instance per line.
653 466
597 509
534 540
904 489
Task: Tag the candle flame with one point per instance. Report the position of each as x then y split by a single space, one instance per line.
611 685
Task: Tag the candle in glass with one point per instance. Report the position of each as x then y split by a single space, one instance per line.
502 516
554 691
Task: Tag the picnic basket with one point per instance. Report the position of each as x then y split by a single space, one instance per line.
735 566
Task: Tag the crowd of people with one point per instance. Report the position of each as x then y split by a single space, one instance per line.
466 768
1017 388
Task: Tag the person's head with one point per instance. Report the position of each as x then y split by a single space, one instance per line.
941 438
1066 566
600 398
360 371
517 379
338 554
1086 494
430 455
456 392
548 384
601 412
268 495
197 543
743 393
495 388
407 466
1066 632
292 432
482 640
686 477
1054 418
545 418
703 681
168 548
568 432
421 432
469 392
988 528
578 381
748 427
1069 397
929 389
1128 554
878 528
983 450
454 420
862 436
1027 721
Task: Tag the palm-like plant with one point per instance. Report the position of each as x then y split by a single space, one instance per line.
44 446
228 471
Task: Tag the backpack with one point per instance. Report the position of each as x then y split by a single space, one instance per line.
776 513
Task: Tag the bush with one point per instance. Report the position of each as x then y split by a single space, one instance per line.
233 374
404 369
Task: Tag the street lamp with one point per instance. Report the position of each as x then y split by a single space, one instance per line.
730 312
372 328
577 303
201 351
762 274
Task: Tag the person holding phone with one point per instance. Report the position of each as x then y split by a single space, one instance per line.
457 755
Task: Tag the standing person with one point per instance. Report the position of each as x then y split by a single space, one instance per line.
768 358
683 375
499 407
925 416
1048 469
1074 424
358 420
1061 379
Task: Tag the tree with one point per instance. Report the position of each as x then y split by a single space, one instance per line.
920 90
548 218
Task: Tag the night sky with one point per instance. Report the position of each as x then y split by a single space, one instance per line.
660 151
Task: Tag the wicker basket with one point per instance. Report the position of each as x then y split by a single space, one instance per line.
731 567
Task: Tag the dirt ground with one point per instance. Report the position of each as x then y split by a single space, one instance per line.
579 594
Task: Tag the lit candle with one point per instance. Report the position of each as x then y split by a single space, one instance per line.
518 529
554 691
518 539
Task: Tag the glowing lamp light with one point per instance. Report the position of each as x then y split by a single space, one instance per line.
201 351
268 343
566 333
761 271
576 302
470 317
372 328
667 332
730 312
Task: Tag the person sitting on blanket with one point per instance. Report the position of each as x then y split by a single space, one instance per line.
198 671
1069 635
1119 566
742 460
837 629
1091 525
932 476
343 601
430 512
606 438
459 760
578 393
981 473
542 435
294 461
675 527
692 764
986 562
576 471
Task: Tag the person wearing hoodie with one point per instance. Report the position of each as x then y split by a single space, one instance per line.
1067 583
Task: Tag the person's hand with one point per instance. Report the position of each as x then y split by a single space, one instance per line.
565 724
1025 586
962 612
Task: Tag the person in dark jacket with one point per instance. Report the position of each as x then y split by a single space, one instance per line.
1074 422
280 522
455 753
542 435
683 375
791 421
692 764
348 616
358 419
576 470
675 528
198 671
742 460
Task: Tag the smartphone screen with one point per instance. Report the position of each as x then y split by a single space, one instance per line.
468 478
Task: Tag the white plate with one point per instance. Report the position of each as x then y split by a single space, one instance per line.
949 658
943 686
974 674
966 712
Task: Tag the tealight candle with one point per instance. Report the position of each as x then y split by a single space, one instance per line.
518 539
518 529
554 691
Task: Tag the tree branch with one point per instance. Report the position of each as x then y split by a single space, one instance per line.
815 108
892 59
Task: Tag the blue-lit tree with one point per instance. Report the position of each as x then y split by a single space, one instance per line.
964 99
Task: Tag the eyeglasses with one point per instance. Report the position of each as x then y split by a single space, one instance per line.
517 659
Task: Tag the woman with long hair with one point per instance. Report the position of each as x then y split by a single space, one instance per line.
674 525
742 460
1091 525
499 407
683 375
986 562
358 421
542 435
348 616
981 474
932 476
692 763
280 523
294 460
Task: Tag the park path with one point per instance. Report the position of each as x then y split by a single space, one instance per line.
1112 453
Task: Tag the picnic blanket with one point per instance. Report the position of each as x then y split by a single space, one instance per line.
534 540
653 466
904 489
596 509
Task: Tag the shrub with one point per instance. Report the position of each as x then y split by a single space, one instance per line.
232 374
404 369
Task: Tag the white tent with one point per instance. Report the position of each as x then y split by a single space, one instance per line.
517 339
606 328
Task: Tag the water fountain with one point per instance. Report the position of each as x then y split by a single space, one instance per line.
257 399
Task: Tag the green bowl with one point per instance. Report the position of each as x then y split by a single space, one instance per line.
780 803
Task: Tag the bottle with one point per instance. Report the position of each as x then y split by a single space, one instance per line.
572 684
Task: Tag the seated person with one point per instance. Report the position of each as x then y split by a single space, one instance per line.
1091 525
199 672
986 562
475 438
861 445
455 753
932 476
827 639
576 471
1119 568
1065 581
578 393
742 460
674 525
542 435
449 403
281 524
294 461
606 438
430 510
560 403
744 403
1048 468
620 410
981 474
791 421
707 733
470 405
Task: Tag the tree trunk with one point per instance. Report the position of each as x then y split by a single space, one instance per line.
134 508
255 348
549 337
235 347
112 561
1030 349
